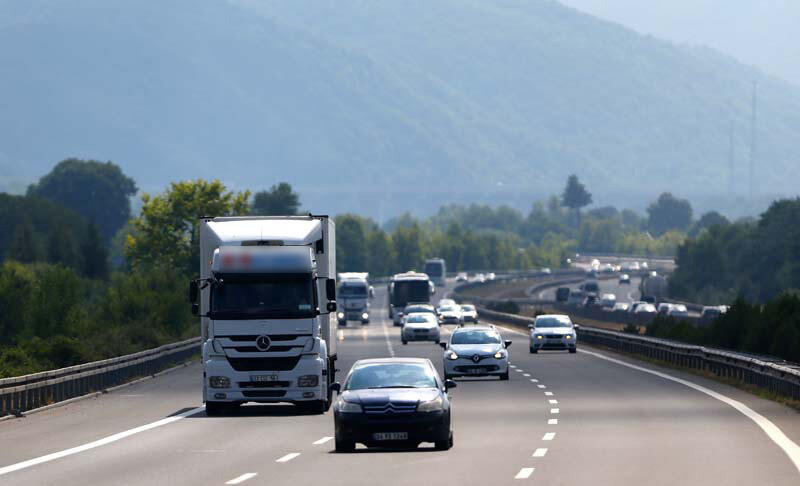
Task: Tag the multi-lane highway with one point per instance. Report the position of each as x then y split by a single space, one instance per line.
625 292
590 418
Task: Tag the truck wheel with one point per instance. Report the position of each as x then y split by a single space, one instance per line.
313 407
216 409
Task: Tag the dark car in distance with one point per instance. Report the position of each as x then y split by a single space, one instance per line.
392 403
562 294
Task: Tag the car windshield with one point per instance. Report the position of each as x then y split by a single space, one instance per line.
262 297
353 290
467 308
418 318
416 308
391 375
475 336
552 322
447 308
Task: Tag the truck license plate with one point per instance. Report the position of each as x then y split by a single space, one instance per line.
391 436
263 378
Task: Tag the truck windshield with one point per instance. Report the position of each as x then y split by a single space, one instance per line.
263 297
410 291
433 269
353 291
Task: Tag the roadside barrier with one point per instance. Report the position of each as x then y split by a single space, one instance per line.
23 393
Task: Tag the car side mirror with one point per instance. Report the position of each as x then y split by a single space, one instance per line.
576 326
530 326
443 345
195 309
331 306
336 387
448 384
507 343
193 291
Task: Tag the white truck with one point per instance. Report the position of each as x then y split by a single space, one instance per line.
353 296
267 301
436 269
405 288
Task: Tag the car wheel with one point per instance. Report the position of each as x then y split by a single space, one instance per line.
405 342
443 445
534 351
345 445
573 350
504 376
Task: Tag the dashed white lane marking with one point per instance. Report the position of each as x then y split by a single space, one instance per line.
288 457
773 432
386 336
534 380
548 394
553 402
524 473
549 436
98 443
541 386
540 452
552 421
518 370
242 478
322 440
554 410
526 375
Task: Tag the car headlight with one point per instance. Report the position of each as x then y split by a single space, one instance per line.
452 355
340 315
539 336
435 405
499 355
219 382
349 407
568 336
365 316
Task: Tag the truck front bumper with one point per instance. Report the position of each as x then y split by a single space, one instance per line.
266 386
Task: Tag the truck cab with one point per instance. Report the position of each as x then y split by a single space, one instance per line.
267 301
408 287
354 296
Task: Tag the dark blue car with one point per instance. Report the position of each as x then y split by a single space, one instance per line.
393 402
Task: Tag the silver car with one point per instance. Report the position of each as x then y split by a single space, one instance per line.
476 351
469 313
553 331
421 326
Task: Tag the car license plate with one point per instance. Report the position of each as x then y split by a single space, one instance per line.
263 378
474 371
391 436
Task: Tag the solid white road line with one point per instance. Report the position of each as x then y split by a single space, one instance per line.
552 421
288 457
549 436
540 452
524 473
553 402
386 336
548 394
242 478
773 432
98 443
554 410
322 440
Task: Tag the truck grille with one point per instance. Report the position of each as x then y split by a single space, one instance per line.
272 337
264 364
264 394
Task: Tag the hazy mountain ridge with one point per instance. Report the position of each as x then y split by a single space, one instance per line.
458 97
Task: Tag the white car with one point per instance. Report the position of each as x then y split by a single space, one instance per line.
678 311
608 300
476 351
553 331
450 314
646 309
621 307
636 304
446 302
420 326
664 308
469 313
462 277
546 271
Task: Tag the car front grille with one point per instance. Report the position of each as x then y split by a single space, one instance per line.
390 408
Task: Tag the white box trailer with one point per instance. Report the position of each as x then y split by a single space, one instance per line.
266 297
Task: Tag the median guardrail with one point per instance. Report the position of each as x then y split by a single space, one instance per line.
776 376
23 393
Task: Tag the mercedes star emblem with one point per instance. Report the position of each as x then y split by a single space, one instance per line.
263 343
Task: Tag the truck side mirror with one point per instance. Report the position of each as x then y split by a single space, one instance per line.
193 291
507 343
330 289
195 309
443 345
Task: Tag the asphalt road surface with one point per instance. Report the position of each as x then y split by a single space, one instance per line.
561 419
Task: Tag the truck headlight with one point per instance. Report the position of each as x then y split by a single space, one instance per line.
499 355
435 405
452 355
340 315
349 407
307 381
365 316
219 382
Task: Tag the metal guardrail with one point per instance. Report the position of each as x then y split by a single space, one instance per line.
23 393
777 376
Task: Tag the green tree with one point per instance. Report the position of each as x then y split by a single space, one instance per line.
280 200
62 247
96 190
166 233
381 260
24 247
575 197
351 244
407 243
94 255
707 220
668 213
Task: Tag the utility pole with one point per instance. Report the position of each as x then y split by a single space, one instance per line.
753 120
